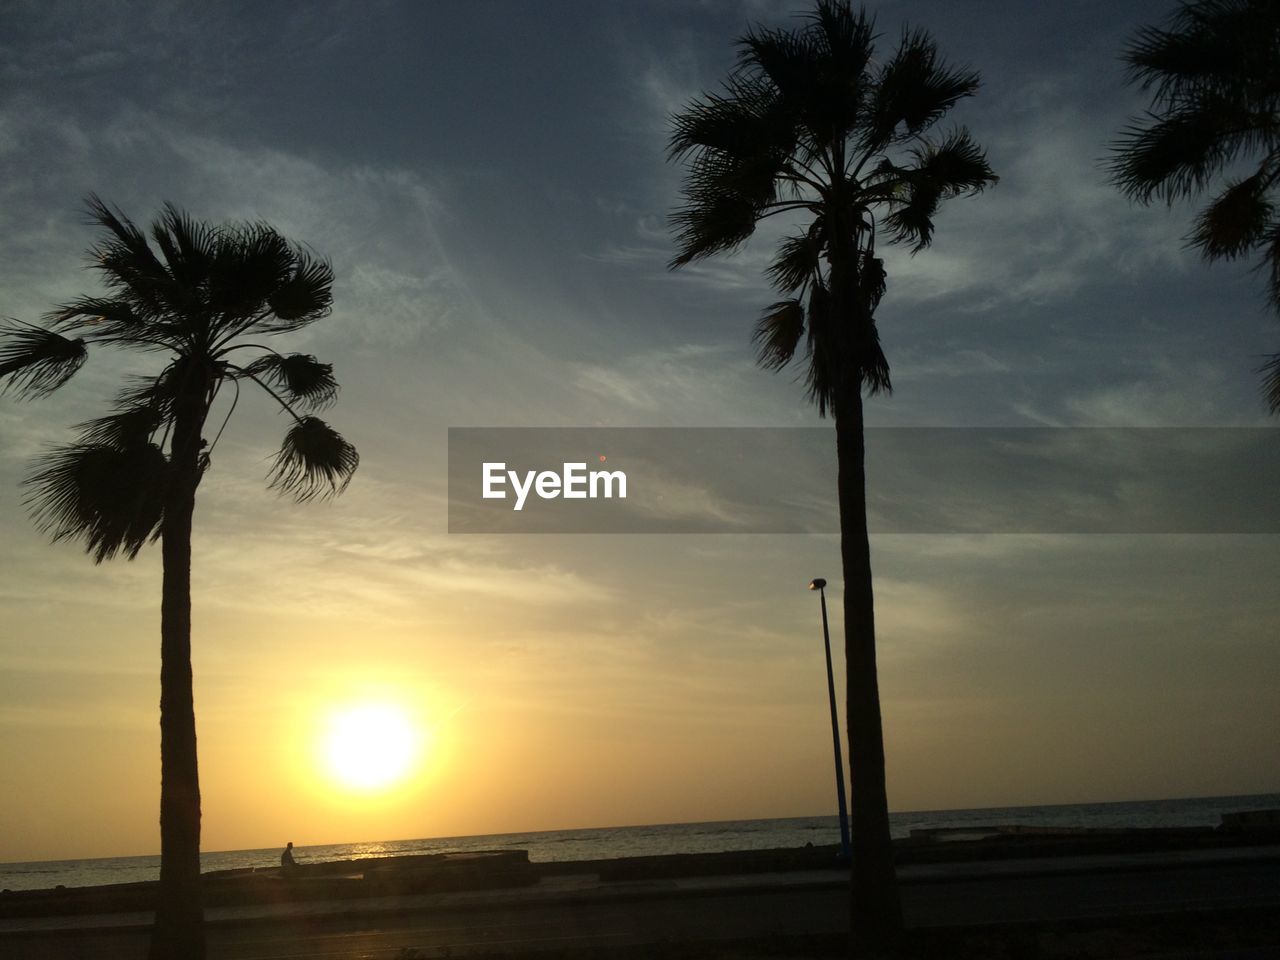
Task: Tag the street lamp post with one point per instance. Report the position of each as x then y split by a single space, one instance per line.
819 585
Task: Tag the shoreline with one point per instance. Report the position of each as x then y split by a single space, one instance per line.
989 908
362 879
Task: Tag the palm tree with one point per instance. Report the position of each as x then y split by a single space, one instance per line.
810 127
132 475
1214 75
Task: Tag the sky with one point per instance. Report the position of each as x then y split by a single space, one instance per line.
490 182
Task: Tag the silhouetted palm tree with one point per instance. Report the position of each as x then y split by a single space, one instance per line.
132 475
809 126
1214 74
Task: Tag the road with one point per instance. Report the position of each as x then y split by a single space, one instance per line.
711 908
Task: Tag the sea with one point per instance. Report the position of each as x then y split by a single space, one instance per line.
610 842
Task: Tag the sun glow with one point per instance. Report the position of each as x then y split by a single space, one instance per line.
372 747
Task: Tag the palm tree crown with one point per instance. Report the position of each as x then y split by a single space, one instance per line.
198 302
808 125
1214 75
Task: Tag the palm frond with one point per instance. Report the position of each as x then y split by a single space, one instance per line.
801 81
1168 158
132 425
845 38
110 497
1236 221
122 229
799 258
305 295
910 220
1223 47
745 120
843 43
156 393
738 146
867 356
873 281
822 372
188 246
1178 154
1270 264
782 57
711 225
845 351
873 366
778 333
956 166
314 461
753 179
249 264
914 90
37 361
302 378
114 320
1271 382
130 267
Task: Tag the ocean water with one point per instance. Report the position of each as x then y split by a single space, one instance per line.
608 842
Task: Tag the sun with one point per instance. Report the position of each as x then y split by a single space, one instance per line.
371 747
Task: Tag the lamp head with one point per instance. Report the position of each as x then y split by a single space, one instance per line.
817 584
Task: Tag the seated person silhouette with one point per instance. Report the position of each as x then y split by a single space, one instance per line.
287 865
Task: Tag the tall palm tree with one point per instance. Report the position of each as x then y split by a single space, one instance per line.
196 300
810 127
1214 74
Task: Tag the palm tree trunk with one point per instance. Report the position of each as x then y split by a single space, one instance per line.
875 910
179 927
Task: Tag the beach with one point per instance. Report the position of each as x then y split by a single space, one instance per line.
649 840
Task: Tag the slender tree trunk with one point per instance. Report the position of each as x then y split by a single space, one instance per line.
179 927
875 910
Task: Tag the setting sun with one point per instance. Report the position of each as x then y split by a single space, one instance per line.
371 746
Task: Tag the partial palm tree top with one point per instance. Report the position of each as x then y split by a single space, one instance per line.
811 125
204 298
1213 70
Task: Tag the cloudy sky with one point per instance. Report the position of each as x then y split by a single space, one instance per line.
490 183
